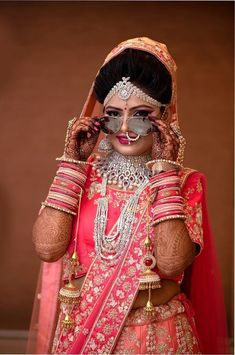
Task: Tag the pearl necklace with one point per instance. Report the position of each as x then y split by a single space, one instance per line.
125 171
109 247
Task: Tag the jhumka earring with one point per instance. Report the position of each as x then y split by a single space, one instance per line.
69 294
105 146
149 279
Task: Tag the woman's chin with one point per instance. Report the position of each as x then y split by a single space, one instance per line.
140 147
131 150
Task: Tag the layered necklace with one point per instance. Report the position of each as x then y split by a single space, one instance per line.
125 171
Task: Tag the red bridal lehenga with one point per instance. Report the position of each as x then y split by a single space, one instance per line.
191 322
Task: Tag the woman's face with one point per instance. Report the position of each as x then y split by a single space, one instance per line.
134 106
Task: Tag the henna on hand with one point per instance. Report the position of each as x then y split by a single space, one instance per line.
51 234
82 138
165 141
174 250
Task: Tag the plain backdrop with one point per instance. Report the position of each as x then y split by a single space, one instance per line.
50 53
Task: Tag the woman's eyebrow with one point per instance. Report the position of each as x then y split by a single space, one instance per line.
141 106
131 109
113 108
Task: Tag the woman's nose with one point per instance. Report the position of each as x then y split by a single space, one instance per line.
124 126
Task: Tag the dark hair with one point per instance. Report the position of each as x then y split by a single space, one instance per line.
144 70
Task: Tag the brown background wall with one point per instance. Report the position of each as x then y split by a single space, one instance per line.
50 53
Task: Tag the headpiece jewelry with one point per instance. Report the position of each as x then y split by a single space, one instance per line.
124 88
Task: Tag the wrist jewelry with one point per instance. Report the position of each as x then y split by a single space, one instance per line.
74 161
169 204
159 165
66 188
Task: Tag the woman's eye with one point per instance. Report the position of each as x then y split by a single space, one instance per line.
142 113
113 113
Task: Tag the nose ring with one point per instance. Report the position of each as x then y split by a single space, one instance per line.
132 139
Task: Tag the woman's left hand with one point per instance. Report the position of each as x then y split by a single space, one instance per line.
165 141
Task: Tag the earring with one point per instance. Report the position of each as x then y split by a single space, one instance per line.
182 142
105 146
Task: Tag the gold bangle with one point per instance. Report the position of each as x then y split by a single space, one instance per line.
160 165
167 218
47 204
74 161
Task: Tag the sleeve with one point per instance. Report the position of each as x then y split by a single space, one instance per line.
192 192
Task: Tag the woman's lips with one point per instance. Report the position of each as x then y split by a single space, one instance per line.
124 140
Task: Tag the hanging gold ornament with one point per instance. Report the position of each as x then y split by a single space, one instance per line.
69 295
149 279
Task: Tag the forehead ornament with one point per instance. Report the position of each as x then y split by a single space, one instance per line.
124 89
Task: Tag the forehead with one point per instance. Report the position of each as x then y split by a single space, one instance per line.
133 101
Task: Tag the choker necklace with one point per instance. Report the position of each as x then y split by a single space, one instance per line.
125 171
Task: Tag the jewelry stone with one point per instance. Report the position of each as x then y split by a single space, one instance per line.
109 247
124 88
124 170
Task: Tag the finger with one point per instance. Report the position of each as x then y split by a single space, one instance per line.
86 131
81 126
165 133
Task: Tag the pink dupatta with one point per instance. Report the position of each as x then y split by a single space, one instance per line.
203 286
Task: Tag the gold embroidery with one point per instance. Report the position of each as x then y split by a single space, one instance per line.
187 342
81 268
193 211
199 186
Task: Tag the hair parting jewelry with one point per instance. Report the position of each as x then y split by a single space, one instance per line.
124 88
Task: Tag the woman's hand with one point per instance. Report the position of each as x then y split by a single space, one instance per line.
165 141
81 137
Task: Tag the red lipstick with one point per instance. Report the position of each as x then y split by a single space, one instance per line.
123 140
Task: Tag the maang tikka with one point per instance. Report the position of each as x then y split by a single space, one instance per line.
124 89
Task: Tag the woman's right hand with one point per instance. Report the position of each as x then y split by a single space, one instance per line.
82 136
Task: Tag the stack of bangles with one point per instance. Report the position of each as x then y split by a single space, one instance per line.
67 188
169 202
